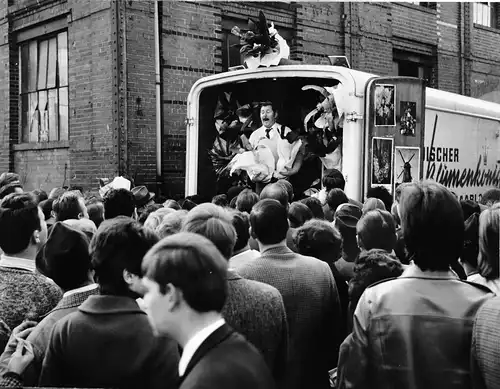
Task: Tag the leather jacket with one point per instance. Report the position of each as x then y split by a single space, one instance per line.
413 331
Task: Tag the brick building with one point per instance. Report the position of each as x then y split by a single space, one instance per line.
79 85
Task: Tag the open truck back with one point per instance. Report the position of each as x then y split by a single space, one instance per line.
394 129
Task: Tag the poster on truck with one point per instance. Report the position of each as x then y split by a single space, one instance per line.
465 155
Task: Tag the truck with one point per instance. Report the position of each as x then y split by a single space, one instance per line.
392 129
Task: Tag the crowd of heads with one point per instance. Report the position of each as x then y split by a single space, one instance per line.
178 251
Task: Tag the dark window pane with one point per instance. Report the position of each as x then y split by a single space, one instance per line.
62 58
63 114
53 113
33 66
52 71
43 50
25 115
24 64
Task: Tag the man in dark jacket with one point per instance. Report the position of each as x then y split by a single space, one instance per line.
185 278
109 342
252 308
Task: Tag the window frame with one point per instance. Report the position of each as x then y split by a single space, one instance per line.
489 20
52 124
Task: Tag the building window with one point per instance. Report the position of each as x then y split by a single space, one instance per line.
413 65
231 52
485 14
43 87
424 4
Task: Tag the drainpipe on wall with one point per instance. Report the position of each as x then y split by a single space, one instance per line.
158 93
462 51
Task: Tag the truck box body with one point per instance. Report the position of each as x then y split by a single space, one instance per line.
460 146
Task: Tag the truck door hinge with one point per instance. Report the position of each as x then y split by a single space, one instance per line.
353 117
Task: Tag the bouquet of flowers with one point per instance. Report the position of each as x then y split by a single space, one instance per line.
261 45
324 127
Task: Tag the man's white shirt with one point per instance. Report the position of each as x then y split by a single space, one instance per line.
195 342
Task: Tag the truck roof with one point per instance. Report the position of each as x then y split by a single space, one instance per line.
356 82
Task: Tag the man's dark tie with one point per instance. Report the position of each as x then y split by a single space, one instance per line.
267 133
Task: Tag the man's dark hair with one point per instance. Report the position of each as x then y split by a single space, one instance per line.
377 230
66 257
315 206
469 207
275 192
470 251
298 214
432 224
334 179
220 200
9 183
214 223
371 266
57 192
319 238
381 193
490 197
118 202
193 264
246 200
267 104
241 224
148 211
288 186
120 244
67 206
40 195
336 197
269 221
187 204
46 207
96 212
172 204
19 218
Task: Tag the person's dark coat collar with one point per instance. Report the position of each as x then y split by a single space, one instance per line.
106 304
217 337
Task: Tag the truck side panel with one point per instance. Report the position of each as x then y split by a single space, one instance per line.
465 155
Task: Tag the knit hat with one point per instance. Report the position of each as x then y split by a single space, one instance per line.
66 251
347 216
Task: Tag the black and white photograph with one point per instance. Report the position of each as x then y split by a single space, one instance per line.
406 164
231 194
382 162
385 110
408 118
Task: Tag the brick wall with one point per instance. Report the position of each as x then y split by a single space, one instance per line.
4 89
141 98
43 169
191 49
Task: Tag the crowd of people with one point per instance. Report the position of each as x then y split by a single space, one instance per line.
249 290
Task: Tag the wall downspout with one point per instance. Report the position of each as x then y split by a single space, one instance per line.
462 51
158 94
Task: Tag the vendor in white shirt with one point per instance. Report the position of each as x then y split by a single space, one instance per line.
280 140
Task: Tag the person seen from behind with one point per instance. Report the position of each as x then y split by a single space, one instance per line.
422 320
